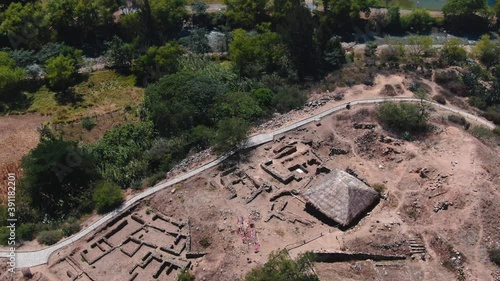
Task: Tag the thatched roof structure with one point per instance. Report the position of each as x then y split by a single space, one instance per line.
341 197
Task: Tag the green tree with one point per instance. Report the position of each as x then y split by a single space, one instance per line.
196 41
403 117
157 62
464 7
52 49
295 24
394 19
121 152
237 104
229 134
370 53
255 54
280 267
334 54
131 27
418 21
467 15
25 25
341 15
453 53
107 196
50 237
80 21
245 13
419 47
120 54
10 77
61 72
56 178
182 101
487 51
168 16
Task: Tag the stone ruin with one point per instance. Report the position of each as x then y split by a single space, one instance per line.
140 245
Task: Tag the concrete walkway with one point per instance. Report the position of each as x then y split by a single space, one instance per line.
34 258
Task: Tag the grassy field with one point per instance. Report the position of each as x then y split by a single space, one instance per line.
102 92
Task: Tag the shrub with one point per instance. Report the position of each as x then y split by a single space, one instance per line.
71 227
379 187
88 124
496 131
205 241
61 72
459 120
4 235
419 21
481 132
26 231
281 267
49 237
453 53
495 256
230 133
107 196
154 179
403 117
493 114
439 99
186 275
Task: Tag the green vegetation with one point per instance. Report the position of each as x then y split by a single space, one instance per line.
379 187
121 153
186 275
57 174
487 51
102 92
439 99
453 53
88 124
403 117
107 196
49 237
495 256
280 267
482 133
418 21
205 241
466 15
61 72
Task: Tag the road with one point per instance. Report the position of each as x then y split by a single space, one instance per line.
34 258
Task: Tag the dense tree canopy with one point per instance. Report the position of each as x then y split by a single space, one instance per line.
245 13
467 15
107 196
61 72
157 62
10 77
57 176
255 54
120 152
25 25
182 101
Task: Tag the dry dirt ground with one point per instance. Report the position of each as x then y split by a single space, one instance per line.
439 210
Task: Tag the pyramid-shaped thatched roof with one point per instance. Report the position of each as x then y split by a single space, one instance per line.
340 196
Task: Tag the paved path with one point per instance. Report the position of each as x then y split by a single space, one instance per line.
33 258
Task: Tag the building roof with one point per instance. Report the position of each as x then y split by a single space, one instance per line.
341 197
